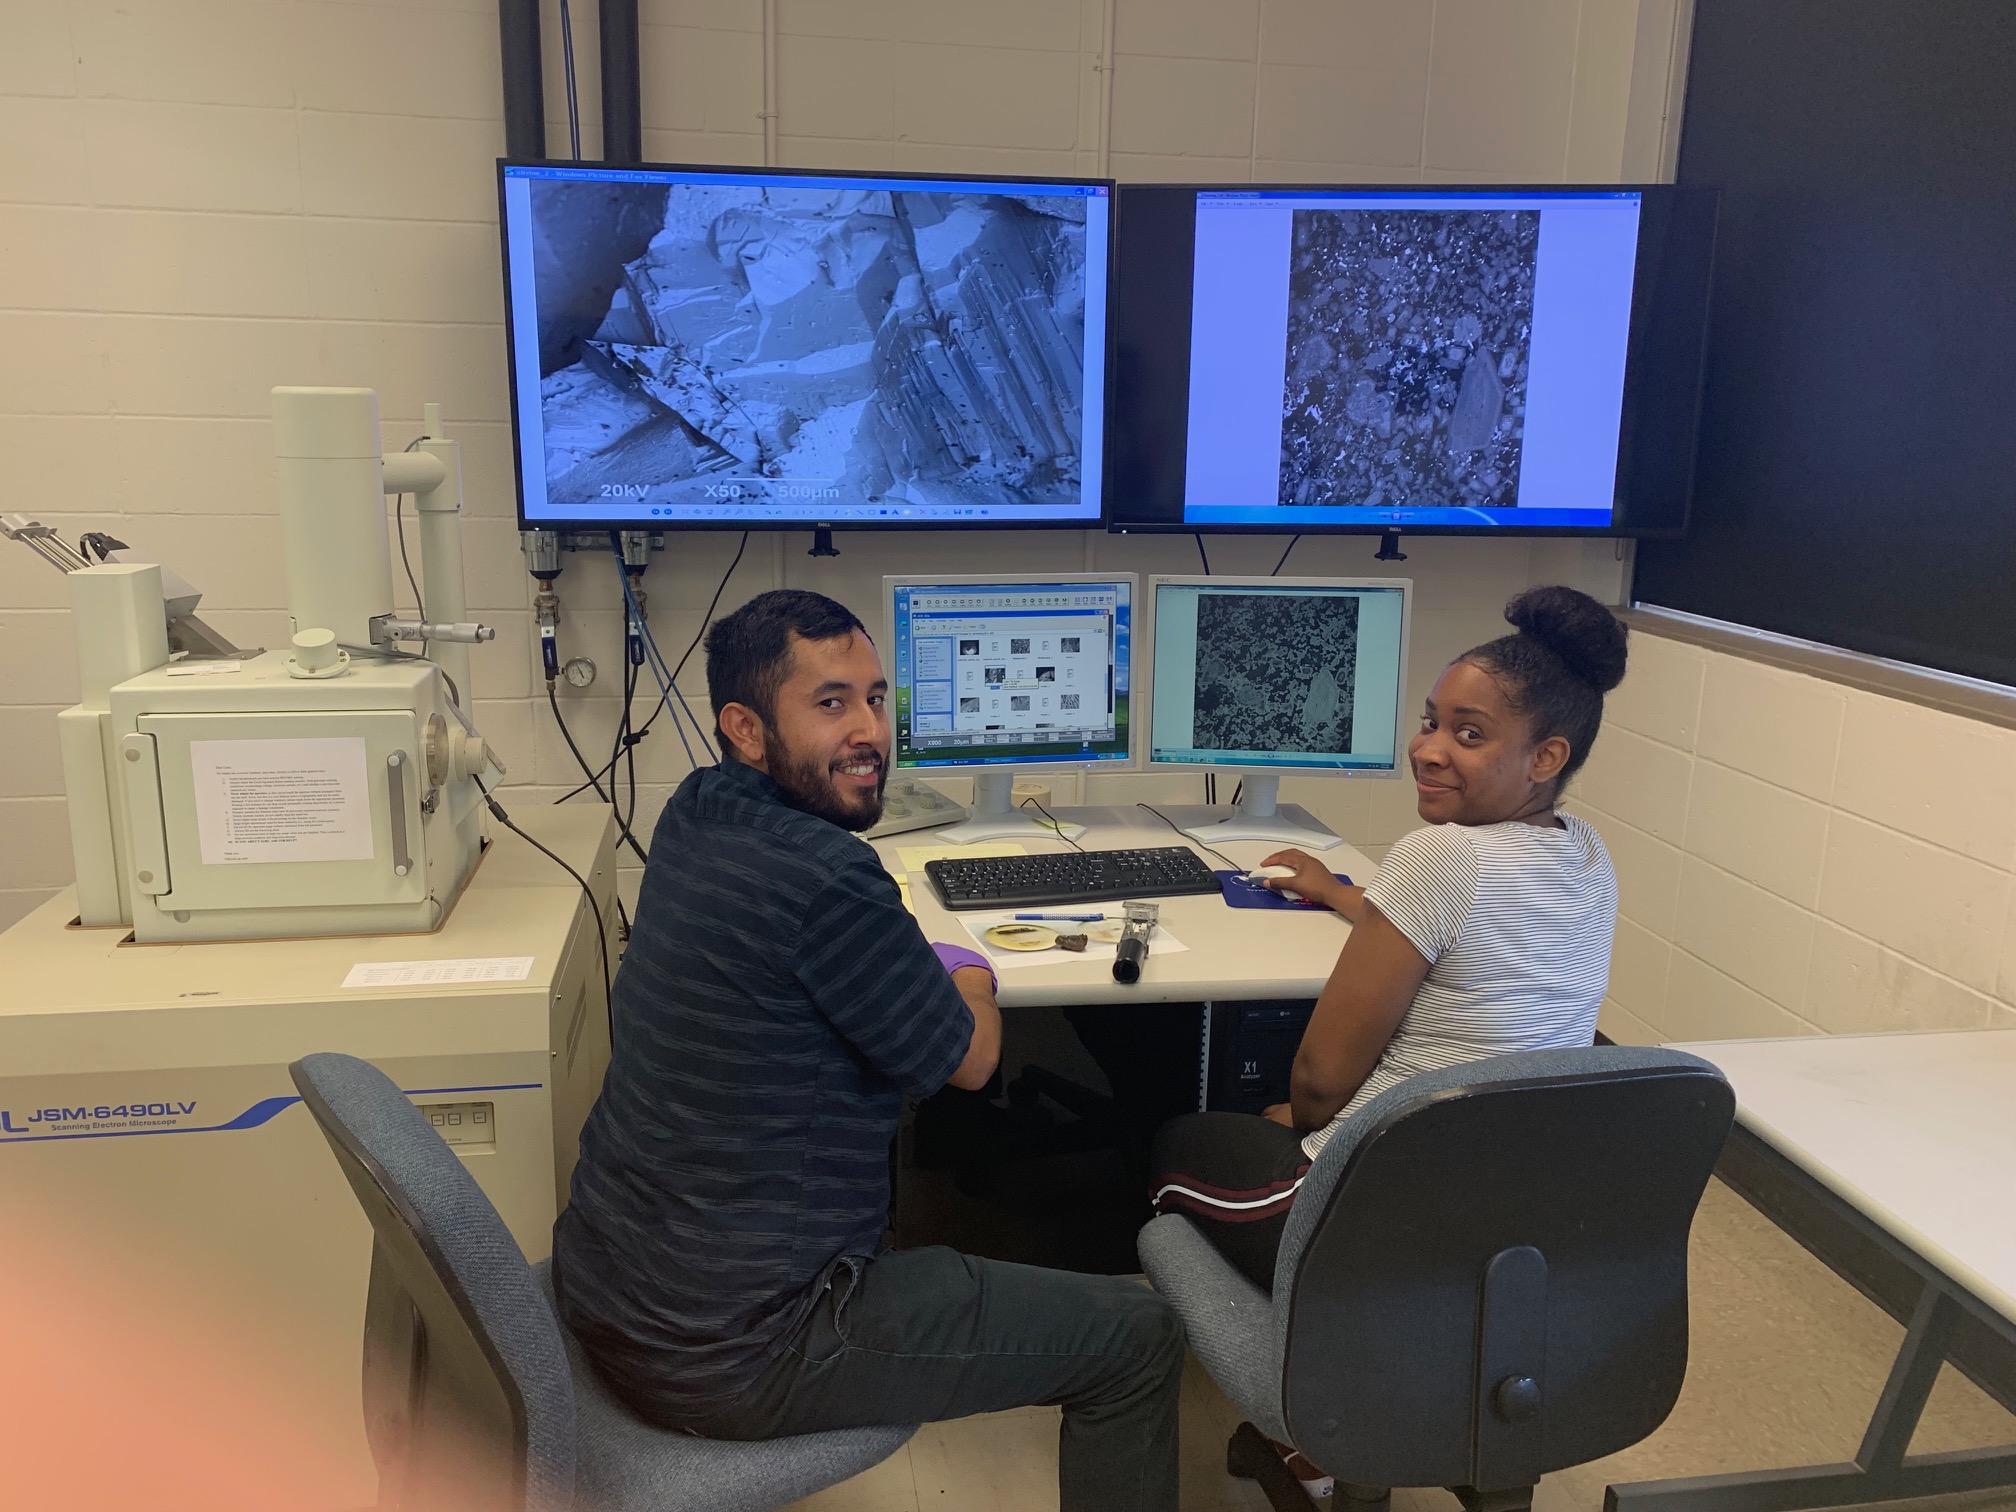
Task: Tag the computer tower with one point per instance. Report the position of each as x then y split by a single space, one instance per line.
1250 1051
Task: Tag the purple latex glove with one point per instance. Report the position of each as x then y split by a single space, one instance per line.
952 957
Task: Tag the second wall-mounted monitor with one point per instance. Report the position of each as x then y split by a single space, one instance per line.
737 348
1002 675
1469 360
1274 677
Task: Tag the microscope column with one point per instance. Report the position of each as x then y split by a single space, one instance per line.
332 510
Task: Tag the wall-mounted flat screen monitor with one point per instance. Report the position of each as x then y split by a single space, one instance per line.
739 348
1435 359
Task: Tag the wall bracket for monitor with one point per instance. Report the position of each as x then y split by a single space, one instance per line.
822 542
1389 548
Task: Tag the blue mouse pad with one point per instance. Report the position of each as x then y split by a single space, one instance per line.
1239 893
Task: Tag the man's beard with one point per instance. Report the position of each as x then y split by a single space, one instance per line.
808 784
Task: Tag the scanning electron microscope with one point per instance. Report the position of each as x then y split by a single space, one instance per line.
329 788
280 852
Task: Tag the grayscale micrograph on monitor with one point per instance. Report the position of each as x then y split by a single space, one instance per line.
1275 672
1409 340
746 344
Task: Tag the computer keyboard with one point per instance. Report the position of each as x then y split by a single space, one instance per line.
1073 877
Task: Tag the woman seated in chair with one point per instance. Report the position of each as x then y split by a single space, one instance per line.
1485 933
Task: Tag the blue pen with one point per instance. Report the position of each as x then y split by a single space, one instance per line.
1098 918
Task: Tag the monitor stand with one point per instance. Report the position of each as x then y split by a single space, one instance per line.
1256 818
995 816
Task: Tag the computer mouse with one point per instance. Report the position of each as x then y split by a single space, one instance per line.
1269 873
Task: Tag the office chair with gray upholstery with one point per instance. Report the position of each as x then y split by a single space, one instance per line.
476 1398
1483 1279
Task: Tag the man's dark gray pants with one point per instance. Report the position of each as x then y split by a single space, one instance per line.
924 1335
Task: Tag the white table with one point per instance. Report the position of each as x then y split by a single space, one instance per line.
1911 1138
1234 953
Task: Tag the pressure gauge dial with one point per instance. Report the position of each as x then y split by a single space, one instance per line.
579 672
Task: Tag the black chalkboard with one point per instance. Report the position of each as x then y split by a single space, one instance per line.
1856 476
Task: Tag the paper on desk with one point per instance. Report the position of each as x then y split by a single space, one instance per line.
977 924
903 891
913 857
439 973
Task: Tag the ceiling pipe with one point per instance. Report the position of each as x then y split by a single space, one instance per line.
769 111
524 79
622 86
1106 94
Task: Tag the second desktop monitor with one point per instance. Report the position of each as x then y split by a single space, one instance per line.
1276 676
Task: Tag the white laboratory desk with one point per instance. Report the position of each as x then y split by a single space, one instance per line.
1911 1138
1234 954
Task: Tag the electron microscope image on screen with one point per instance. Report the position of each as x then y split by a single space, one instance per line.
1275 673
747 345
1409 334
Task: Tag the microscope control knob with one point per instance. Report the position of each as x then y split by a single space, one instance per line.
435 743
467 754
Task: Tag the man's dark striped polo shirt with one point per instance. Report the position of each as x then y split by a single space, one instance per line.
774 1004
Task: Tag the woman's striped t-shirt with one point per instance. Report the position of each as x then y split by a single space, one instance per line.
1515 922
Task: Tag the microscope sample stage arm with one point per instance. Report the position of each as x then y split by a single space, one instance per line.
187 634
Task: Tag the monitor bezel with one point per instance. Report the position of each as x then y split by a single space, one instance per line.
809 521
1665 194
1131 762
1156 581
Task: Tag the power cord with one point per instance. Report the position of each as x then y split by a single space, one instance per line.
707 615
601 933
706 618
383 653
1055 824
553 702
399 519
668 690
626 746
1179 830
573 105
1199 539
1284 557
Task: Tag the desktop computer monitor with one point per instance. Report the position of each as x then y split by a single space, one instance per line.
731 348
999 675
1270 676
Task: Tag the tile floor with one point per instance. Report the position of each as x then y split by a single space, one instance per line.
1787 1361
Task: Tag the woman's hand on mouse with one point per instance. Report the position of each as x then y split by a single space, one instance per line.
1315 881
1312 879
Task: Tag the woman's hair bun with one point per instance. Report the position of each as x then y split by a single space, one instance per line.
1581 632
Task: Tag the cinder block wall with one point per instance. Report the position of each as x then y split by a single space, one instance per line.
1798 857
202 198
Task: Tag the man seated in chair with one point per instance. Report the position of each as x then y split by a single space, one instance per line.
721 1257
